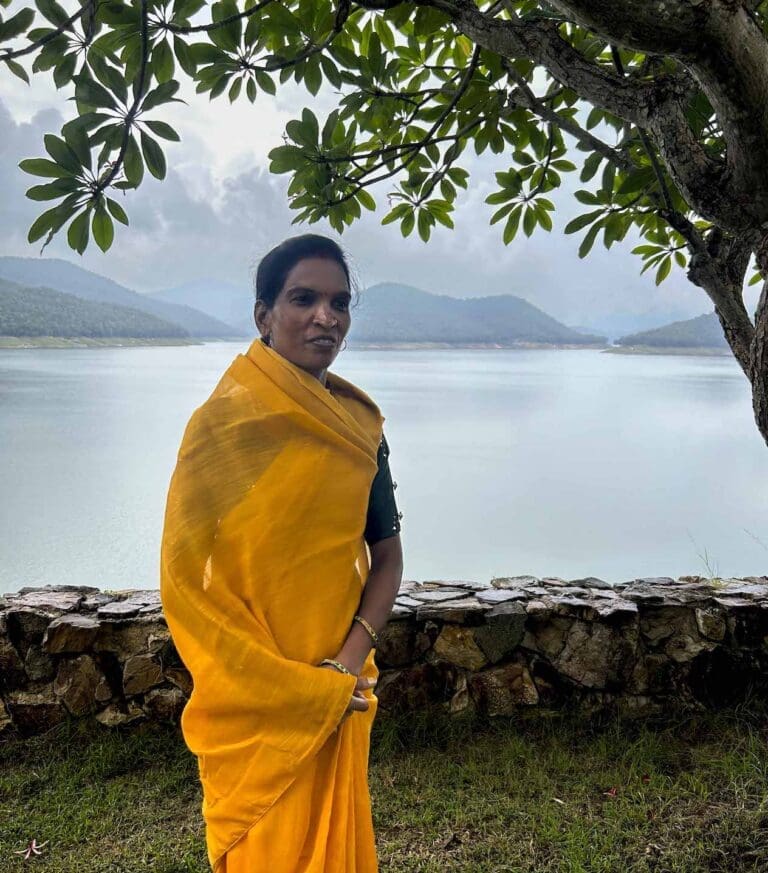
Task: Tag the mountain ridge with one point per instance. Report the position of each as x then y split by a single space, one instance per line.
69 278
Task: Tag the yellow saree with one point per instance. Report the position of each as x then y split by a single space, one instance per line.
263 562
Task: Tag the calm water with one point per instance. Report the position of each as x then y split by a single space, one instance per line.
567 463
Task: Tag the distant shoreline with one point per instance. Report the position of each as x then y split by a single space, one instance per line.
689 351
405 346
88 342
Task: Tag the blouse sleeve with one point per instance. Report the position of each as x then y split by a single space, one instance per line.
383 519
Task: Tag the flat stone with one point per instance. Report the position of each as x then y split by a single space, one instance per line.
465 584
34 712
502 632
140 673
118 609
513 581
499 595
59 598
164 704
452 610
711 623
114 716
404 600
26 625
457 645
12 673
436 595
94 601
503 690
400 643
39 665
70 633
591 582
76 683
145 634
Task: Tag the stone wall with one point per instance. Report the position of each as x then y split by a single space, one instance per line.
520 645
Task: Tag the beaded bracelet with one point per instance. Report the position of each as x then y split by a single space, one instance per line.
374 636
337 664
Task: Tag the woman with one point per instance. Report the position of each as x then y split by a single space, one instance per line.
272 599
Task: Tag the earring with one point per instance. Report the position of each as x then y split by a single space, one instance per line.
266 339
344 346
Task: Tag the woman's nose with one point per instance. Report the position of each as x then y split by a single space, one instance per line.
325 317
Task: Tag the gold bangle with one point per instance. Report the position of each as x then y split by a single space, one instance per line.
374 636
337 664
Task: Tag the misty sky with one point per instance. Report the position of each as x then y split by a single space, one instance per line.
218 211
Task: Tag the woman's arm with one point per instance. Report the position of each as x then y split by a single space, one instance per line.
376 603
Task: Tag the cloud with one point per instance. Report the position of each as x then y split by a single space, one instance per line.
219 210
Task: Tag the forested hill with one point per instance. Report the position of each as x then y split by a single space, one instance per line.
393 313
71 279
36 312
704 331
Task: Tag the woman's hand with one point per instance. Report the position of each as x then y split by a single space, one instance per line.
358 702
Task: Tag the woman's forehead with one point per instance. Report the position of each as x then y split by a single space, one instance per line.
319 274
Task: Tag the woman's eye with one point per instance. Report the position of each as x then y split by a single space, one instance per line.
343 305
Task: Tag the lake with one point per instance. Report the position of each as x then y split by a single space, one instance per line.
569 463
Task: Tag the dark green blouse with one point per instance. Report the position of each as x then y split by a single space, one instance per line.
383 519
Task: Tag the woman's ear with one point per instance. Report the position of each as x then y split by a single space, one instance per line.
259 317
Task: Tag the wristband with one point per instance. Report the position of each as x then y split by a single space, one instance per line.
372 633
337 664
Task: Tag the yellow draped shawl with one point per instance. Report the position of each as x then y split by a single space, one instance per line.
262 566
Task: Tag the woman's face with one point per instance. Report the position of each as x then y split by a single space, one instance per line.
310 316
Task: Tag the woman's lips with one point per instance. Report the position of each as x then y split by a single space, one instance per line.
323 343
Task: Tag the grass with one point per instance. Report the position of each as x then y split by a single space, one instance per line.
539 796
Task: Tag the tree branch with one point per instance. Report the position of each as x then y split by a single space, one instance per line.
66 25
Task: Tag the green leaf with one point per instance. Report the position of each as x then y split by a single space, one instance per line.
636 181
160 128
91 93
53 190
591 165
513 222
589 239
153 156
18 70
43 167
76 137
117 210
63 72
51 220
582 221
133 166
286 159
407 224
184 56
313 77
17 24
529 220
250 90
77 234
366 200
162 94
234 91
265 82
423 224
102 228
51 10
663 271
162 62
62 153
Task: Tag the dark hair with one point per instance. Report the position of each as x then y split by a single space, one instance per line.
279 261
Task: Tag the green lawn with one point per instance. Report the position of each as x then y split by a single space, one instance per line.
542 796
